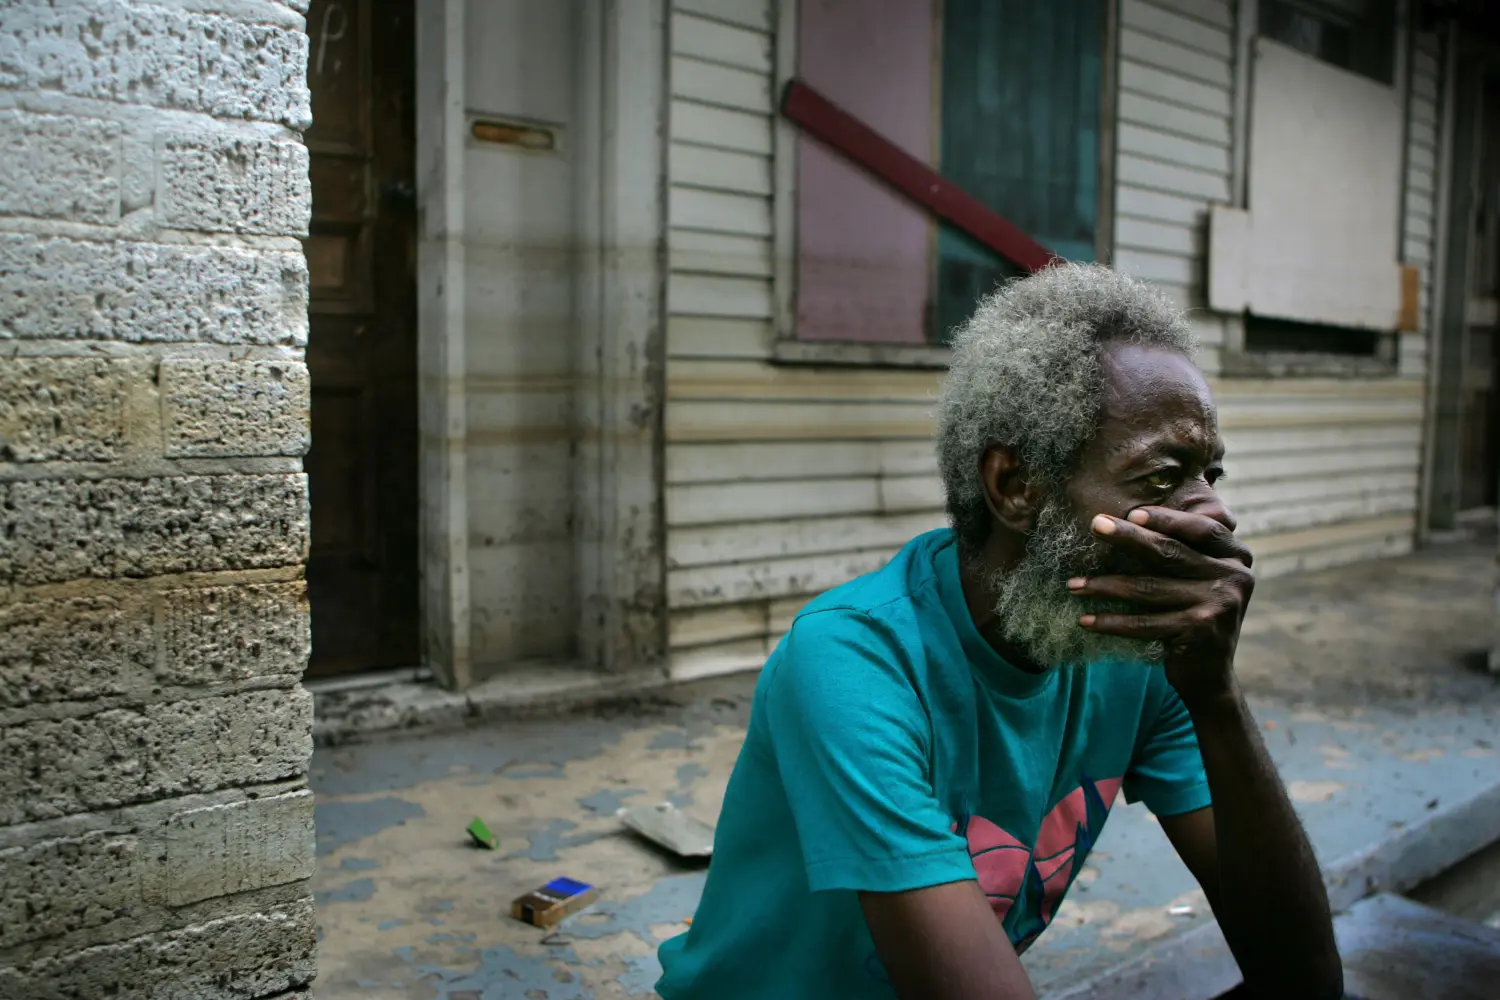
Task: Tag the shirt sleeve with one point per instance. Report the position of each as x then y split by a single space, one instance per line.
1166 771
853 745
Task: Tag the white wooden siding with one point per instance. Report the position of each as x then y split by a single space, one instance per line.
1173 141
782 481
1419 216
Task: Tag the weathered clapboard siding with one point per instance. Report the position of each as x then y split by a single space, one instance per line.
1419 216
783 480
1173 142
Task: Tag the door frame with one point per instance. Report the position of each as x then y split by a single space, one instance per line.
619 138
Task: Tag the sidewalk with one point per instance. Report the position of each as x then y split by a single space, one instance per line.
1367 679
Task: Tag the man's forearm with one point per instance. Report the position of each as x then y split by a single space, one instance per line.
1272 908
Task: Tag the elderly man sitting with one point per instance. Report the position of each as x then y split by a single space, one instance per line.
935 747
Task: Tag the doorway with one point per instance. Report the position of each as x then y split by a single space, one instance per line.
362 572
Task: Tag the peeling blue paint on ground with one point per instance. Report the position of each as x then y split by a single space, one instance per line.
606 801
640 979
670 901
672 739
359 864
689 773
387 925
503 974
553 770
543 845
341 823
358 891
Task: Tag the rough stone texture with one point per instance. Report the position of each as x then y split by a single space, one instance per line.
224 849
55 530
126 755
230 183
69 409
157 56
217 409
217 634
62 885
59 167
241 957
86 648
63 288
83 648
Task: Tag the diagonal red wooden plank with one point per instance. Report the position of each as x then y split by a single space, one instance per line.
844 133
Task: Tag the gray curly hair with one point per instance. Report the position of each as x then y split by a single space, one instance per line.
1026 373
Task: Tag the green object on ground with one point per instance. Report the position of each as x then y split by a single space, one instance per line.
482 835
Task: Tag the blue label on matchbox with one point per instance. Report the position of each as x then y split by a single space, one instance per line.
566 887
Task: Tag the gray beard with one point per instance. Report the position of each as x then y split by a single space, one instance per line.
1037 613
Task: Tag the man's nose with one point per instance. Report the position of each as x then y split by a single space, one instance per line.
1206 501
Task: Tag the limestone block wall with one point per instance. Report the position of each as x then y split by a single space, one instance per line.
155 826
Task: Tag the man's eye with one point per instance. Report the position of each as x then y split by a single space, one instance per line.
1163 480
1214 476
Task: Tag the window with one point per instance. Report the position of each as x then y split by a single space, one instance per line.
1002 97
1020 132
1357 35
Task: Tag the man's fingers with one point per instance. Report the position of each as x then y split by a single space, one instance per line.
1153 626
1199 531
1148 591
1169 556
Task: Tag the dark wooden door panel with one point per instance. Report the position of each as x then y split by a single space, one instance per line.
362 469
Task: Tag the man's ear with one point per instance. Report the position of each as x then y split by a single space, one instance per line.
1012 500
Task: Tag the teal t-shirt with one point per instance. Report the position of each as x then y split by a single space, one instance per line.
891 748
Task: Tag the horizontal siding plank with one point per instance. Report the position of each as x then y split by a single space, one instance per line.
1163 23
740 582
695 337
1160 205
1278 442
726 86
1263 467
693 252
719 169
747 542
756 14
1149 50
1417 250
738 656
1424 120
719 212
1174 118
1420 178
742 462
718 42
1246 498
1328 512
1158 83
1350 533
1424 161
1166 237
1150 266
713 295
731 380
727 503
708 625
720 128
1157 145
1217 13
1172 178
690 420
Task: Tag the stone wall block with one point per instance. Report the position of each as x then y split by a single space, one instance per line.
59 166
154 55
64 409
75 649
230 183
123 756
55 530
68 884
221 409
211 635
224 849
240 957
149 292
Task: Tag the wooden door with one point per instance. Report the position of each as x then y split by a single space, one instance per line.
361 257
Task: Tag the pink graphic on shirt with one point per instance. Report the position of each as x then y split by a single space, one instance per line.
1004 865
